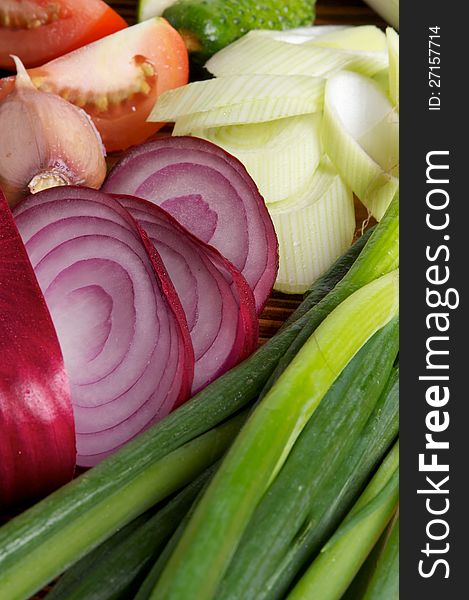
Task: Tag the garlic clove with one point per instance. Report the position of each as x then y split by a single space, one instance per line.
45 141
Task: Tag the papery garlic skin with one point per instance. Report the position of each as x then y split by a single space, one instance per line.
45 141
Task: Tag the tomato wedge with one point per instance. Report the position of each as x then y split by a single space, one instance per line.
39 30
117 79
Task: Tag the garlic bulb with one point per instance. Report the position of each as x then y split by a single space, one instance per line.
45 141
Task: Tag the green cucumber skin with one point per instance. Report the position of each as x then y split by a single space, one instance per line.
323 446
37 527
115 569
218 23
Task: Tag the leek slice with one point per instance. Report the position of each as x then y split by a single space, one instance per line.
281 156
259 111
393 49
388 9
362 37
313 229
368 38
300 35
256 53
361 137
147 9
235 93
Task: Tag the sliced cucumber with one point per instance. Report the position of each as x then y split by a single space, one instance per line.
313 229
230 100
256 53
361 137
281 156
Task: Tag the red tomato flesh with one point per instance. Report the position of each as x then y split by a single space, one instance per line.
40 30
117 79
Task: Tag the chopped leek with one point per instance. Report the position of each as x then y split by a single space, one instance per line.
367 38
388 9
300 35
361 137
260 54
281 156
313 229
393 49
212 534
148 9
204 96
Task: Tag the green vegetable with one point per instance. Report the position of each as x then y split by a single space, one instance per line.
208 543
115 569
298 495
52 535
332 501
209 25
350 545
151 579
384 584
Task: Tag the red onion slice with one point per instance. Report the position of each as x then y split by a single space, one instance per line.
218 303
119 320
37 435
211 194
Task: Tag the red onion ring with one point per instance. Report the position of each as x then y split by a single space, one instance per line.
119 320
209 192
37 439
218 303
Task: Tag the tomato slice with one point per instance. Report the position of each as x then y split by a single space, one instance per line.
117 79
39 30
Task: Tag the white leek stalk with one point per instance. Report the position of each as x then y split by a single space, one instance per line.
361 137
366 38
313 228
300 35
281 156
147 9
239 99
256 53
393 50
388 9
